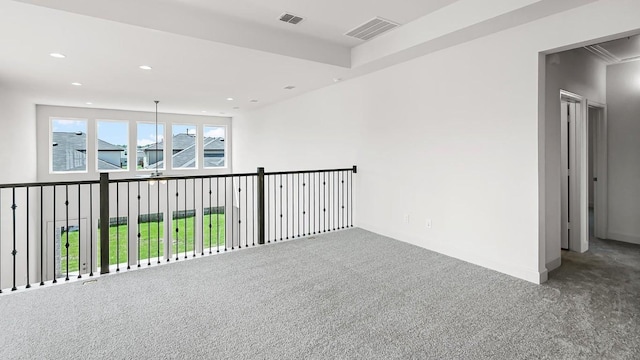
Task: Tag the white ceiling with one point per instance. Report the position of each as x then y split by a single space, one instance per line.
204 51
327 19
624 49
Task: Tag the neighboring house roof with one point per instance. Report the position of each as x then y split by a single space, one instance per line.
69 152
103 165
105 146
186 157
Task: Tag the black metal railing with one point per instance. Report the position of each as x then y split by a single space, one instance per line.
63 230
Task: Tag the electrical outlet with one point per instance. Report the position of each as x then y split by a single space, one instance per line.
428 223
406 218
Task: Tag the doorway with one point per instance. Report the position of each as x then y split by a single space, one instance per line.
583 171
597 177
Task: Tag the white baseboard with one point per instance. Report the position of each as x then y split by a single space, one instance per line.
554 264
623 237
534 276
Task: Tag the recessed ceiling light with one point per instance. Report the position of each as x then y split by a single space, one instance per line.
89 103
253 100
204 111
76 84
145 67
337 79
229 99
57 55
290 87
221 112
236 107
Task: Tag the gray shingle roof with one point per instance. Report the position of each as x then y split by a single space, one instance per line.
70 148
186 157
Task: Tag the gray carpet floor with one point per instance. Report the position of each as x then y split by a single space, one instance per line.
345 295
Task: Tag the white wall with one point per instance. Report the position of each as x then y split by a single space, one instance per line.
579 72
18 164
623 114
451 136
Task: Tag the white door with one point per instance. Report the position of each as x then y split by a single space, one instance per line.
570 111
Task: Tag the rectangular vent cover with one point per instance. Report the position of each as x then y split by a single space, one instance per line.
372 28
290 18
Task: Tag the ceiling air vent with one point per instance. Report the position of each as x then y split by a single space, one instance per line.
372 28
290 18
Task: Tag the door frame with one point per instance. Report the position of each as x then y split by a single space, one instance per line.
600 171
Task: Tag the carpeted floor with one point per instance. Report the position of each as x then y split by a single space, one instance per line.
344 295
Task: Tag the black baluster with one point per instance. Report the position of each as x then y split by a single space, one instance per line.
158 224
246 212
298 189
53 255
281 231
202 195
275 209
139 226
314 182
268 208
342 182
66 245
90 230
117 227
324 200
233 224
193 202
286 205
304 209
253 209
128 221
218 214
334 203
79 234
14 252
226 233
168 234
41 235
210 227
148 224
185 230
1 243
28 282
239 213
177 220
351 175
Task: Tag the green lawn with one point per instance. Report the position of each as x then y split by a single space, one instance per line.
148 240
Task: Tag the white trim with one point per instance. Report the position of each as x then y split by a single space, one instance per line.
554 264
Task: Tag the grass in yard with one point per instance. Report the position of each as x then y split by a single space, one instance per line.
148 240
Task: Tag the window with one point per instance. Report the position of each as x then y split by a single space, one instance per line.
150 147
113 137
183 152
69 145
214 146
